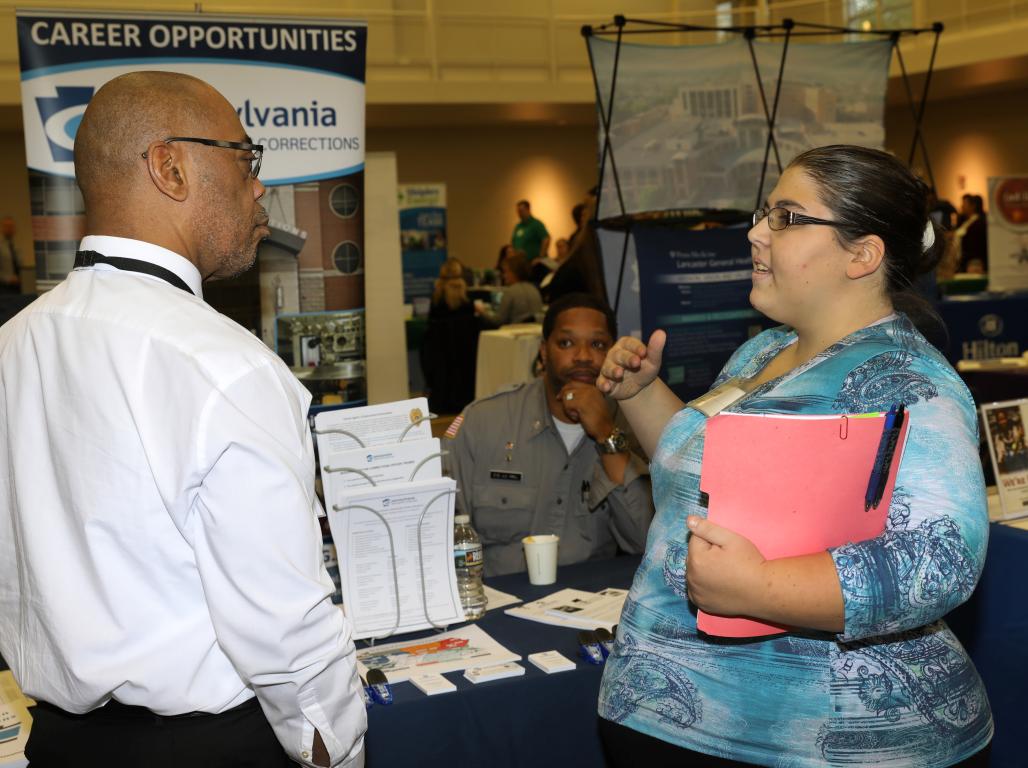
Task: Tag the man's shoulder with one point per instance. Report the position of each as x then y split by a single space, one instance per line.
493 411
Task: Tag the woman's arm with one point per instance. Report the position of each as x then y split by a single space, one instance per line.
629 375
727 576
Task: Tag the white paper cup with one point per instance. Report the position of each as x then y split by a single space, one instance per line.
541 555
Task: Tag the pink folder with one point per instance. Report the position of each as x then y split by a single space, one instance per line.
793 485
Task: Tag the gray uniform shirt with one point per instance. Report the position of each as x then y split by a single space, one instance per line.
515 478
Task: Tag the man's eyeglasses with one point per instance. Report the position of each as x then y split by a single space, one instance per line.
256 150
780 218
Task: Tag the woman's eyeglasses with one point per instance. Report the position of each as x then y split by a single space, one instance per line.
780 218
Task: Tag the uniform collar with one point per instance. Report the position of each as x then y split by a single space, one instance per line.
128 248
537 409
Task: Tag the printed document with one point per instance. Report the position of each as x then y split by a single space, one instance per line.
15 721
452 651
397 538
348 428
380 465
575 608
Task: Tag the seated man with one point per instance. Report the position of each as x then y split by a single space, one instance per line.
546 457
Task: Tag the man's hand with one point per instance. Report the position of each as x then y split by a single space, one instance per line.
724 571
584 404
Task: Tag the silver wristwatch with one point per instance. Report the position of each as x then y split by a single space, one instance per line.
616 442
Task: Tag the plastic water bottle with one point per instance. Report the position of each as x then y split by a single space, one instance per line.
467 559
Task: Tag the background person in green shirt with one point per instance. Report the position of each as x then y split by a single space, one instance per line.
530 235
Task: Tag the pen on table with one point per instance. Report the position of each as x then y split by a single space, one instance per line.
890 452
876 468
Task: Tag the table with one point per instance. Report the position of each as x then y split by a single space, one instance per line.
505 357
538 720
544 720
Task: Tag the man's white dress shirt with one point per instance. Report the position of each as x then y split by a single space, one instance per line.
159 542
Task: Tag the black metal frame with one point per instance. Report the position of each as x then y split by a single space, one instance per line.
788 29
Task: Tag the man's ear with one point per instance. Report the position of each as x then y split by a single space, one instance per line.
167 171
866 257
542 352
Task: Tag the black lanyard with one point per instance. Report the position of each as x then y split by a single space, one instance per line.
89 258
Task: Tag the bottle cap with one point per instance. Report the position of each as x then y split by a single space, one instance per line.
461 519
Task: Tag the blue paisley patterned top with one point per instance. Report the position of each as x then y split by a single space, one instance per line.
896 688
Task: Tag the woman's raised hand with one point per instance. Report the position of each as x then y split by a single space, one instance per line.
631 365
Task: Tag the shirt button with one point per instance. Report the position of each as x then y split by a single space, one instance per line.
565 467
560 501
305 755
503 500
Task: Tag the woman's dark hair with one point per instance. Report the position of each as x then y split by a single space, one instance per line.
505 249
870 192
518 264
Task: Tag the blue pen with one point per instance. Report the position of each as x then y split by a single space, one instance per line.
890 452
876 468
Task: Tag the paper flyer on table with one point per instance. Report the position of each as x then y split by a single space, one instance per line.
381 465
1006 433
376 533
372 425
452 651
575 608
15 721
497 599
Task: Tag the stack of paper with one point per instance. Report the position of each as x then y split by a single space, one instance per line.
575 608
451 651
15 721
391 515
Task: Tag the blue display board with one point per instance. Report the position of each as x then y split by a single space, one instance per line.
696 285
983 325
422 237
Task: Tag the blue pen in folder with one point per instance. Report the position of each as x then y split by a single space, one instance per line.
876 468
890 452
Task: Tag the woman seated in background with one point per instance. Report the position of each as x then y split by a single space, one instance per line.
521 302
450 344
869 674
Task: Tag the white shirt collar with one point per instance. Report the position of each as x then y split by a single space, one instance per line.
128 248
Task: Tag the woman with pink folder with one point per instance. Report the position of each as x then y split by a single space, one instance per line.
868 674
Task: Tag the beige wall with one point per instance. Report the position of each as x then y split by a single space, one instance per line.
487 168
968 139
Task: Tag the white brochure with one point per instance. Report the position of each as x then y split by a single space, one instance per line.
380 465
1006 432
397 538
452 651
575 608
349 428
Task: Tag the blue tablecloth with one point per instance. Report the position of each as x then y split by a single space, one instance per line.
538 720
550 720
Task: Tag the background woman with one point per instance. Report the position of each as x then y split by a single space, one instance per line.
871 675
451 342
520 302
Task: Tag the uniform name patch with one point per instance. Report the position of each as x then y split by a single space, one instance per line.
504 474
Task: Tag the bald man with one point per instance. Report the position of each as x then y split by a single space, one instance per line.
162 591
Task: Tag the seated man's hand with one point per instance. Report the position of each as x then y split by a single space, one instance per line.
584 404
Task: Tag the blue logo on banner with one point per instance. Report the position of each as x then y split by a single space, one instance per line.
61 115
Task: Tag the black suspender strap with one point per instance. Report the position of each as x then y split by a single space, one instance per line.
89 258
